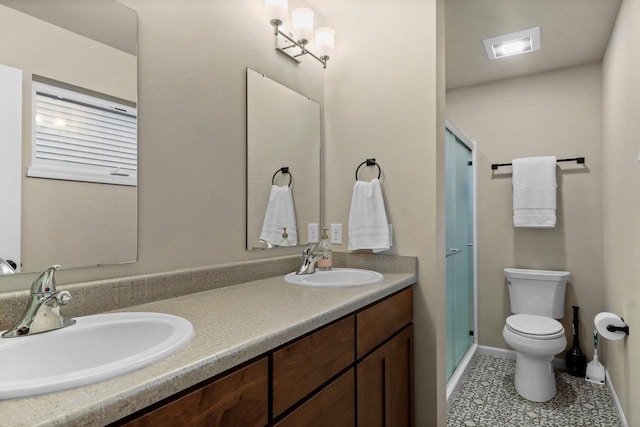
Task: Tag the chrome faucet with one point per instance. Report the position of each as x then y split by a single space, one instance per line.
308 265
42 313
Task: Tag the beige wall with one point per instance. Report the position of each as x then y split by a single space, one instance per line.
556 113
64 222
381 102
77 223
38 47
622 202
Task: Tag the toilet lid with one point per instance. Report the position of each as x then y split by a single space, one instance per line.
535 326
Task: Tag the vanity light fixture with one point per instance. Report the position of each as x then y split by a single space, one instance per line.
295 43
513 44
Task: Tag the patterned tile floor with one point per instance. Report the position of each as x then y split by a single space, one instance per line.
487 397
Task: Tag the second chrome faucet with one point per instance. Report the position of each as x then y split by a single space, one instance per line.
309 260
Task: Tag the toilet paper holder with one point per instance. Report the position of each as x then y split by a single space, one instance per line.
625 328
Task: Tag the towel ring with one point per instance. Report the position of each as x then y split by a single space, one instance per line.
282 170
369 162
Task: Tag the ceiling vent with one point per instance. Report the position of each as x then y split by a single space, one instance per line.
513 44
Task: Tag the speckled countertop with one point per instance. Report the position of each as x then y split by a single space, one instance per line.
233 324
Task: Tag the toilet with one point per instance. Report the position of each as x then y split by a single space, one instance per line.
537 300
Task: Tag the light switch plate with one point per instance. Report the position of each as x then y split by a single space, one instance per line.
312 232
390 235
336 234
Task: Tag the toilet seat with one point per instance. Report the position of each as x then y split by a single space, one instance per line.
535 327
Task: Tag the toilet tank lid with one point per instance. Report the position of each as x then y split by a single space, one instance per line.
522 273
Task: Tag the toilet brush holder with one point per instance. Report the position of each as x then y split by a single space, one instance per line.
575 359
595 370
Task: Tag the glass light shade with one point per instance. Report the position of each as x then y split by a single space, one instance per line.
276 10
325 39
302 20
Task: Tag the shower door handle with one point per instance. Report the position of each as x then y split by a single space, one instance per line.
453 251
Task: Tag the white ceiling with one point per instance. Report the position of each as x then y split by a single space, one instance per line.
572 32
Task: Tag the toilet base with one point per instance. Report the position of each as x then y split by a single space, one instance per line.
535 379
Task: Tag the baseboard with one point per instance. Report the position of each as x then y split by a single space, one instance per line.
504 353
460 373
614 396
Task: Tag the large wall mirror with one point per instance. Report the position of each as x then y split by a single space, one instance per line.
283 164
68 121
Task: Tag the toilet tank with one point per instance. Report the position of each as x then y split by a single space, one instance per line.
539 292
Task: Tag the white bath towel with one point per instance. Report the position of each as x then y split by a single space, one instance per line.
368 226
280 213
534 192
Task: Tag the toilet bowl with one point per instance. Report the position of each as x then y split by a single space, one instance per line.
537 300
536 339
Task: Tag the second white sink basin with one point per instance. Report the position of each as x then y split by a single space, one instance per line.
335 278
96 348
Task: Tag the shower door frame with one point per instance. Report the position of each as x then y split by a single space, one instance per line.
460 370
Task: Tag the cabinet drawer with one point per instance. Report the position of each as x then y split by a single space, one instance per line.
301 367
238 399
383 319
333 406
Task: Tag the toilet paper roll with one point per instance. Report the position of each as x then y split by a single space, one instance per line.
604 319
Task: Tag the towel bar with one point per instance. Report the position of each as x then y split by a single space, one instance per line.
579 160
369 162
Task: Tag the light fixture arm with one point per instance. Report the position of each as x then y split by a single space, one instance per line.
302 46
276 26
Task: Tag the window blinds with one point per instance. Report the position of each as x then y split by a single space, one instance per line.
83 138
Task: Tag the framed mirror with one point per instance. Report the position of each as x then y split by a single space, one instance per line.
283 164
69 133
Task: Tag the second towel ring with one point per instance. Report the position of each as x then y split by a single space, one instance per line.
282 170
369 162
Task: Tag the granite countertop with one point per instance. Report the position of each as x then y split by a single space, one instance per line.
232 325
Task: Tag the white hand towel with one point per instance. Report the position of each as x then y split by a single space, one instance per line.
534 192
368 226
280 213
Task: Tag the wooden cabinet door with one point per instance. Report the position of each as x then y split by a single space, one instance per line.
401 378
333 406
385 384
373 375
303 366
238 399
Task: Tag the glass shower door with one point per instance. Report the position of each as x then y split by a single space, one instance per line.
459 250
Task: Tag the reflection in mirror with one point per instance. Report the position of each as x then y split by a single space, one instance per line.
69 133
283 164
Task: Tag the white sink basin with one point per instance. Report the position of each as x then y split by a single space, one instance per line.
96 348
335 278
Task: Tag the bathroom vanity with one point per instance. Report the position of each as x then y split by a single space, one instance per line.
364 357
265 352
